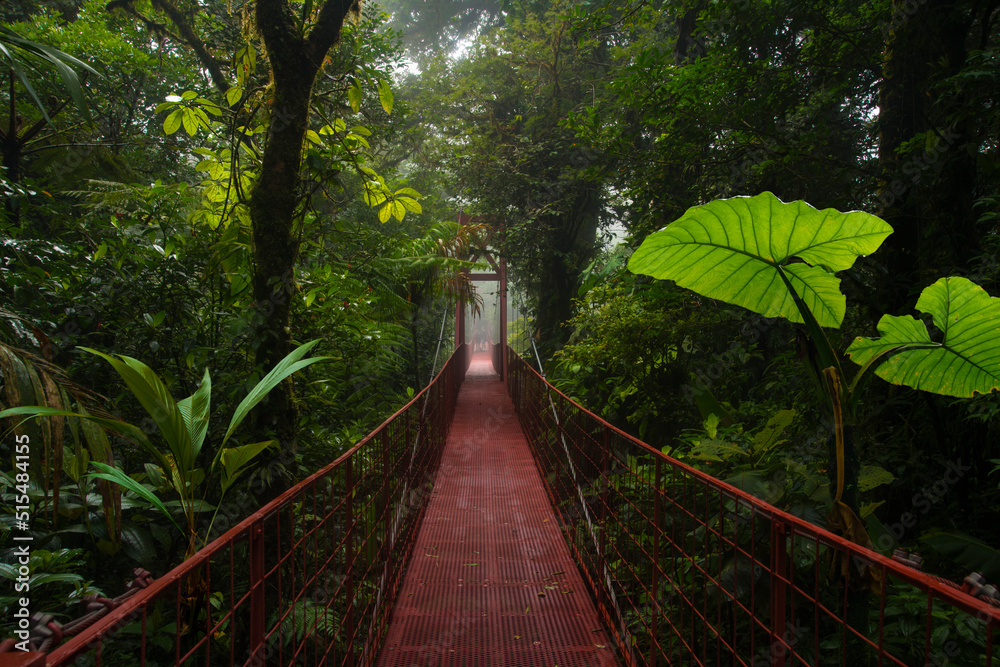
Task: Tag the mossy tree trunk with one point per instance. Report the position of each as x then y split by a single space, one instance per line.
295 60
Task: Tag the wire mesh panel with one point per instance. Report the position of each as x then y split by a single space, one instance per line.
307 580
688 570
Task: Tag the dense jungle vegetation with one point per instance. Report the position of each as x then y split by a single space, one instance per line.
206 187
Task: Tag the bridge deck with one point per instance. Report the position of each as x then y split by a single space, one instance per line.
491 582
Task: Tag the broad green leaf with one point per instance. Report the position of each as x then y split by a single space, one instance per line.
871 477
173 121
190 121
354 94
201 117
398 210
410 204
292 363
769 437
235 458
195 411
234 95
208 107
138 544
191 505
156 399
155 475
754 482
866 511
215 193
338 126
741 251
374 193
118 477
385 95
966 359
75 462
355 140
385 212
194 480
716 450
711 425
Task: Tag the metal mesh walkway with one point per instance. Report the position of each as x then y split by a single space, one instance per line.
491 582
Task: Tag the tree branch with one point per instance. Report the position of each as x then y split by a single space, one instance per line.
33 131
328 28
187 36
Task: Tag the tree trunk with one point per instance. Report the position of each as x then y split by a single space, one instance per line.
295 61
573 244
273 205
901 116
931 214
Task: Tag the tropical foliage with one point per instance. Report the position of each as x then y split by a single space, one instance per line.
191 191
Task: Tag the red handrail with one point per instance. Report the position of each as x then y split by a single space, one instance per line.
689 570
310 577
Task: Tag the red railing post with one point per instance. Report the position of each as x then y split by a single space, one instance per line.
257 611
388 515
779 591
605 482
349 561
654 598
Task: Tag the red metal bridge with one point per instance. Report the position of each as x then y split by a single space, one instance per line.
459 534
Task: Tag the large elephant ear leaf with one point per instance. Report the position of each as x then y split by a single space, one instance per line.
962 361
747 251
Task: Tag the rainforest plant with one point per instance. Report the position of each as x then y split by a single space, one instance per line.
183 427
780 259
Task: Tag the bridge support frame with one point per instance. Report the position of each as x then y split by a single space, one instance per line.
499 274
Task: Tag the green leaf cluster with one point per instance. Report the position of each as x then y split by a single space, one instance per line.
183 426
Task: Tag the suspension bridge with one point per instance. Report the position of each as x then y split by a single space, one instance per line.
493 521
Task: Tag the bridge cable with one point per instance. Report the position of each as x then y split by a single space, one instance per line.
609 582
406 503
